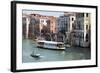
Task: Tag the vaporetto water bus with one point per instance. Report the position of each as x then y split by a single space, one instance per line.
50 44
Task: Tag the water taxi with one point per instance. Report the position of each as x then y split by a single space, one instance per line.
50 44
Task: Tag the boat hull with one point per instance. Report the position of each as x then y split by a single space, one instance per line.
51 48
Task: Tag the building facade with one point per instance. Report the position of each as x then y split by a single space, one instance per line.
38 24
64 25
72 28
81 30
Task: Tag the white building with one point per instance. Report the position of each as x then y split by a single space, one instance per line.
81 36
25 24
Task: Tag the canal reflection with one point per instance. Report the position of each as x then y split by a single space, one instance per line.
74 53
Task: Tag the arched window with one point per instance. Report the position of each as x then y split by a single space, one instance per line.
87 37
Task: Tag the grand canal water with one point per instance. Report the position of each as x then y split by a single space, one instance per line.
74 53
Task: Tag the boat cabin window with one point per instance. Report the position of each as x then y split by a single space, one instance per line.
50 44
41 43
60 45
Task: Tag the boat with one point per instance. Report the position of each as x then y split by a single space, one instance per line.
50 44
35 55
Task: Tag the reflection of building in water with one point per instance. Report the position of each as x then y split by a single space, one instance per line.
81 30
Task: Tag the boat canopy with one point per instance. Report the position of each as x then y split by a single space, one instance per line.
50 42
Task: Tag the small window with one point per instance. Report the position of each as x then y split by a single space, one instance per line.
82 15
86 27
73 26
86 14
72 19
41 43
87 37
60 45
